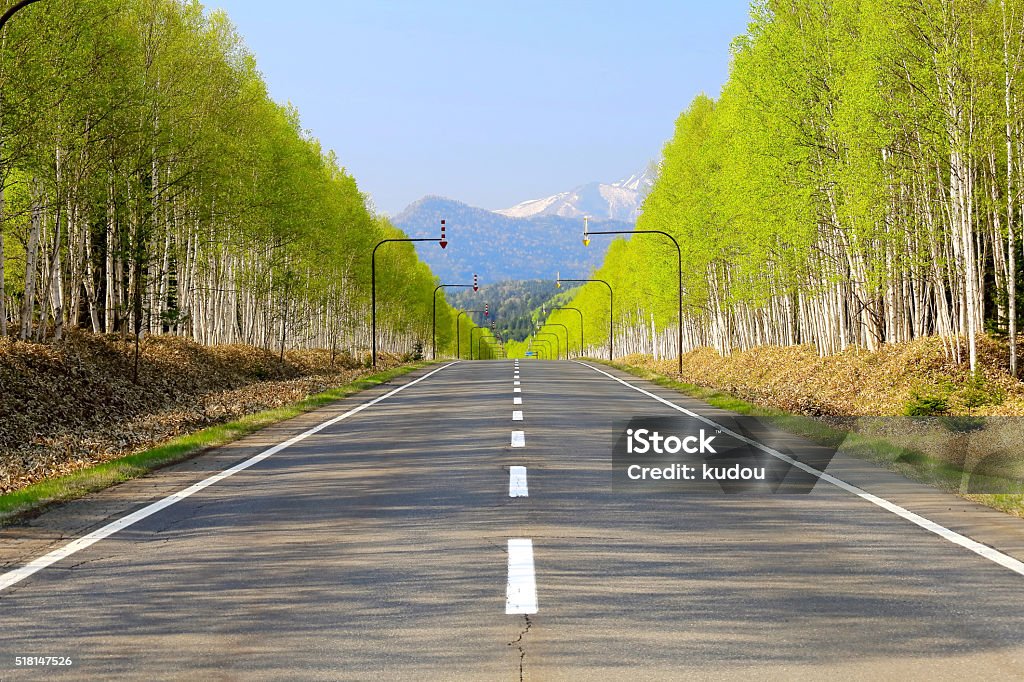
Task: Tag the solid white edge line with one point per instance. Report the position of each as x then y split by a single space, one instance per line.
519 439
517 415
521 592
517 482
36 565
989 553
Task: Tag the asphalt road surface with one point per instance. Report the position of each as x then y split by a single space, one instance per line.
421 538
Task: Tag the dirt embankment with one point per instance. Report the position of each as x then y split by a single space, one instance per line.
915 378
70 404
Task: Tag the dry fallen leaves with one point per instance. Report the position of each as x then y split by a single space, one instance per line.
853 383
70 404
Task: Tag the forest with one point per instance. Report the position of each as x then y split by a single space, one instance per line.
150 185
512 304
857 182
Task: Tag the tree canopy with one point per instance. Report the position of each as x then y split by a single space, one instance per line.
149 184
857 182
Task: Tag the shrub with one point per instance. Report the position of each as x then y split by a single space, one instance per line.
926 405
977 392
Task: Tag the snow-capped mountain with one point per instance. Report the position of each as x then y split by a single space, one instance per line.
616 201
499 247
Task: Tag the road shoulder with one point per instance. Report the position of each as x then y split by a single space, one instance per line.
973 520
34 536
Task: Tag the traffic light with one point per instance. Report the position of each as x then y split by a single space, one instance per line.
476 283
487 308
444 241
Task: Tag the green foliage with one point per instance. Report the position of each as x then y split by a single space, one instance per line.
926 405
514 305
978 392
416 354
182 197
854 150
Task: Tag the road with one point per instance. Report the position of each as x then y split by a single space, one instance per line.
378 548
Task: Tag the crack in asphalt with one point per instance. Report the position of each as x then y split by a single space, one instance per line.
518 644
83 562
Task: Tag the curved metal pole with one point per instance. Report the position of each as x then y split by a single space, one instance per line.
480 348
373 287
558 342
611 312
565 307
471 342
566 330
478 340
433 324
458 334
679 256
547 345
14 8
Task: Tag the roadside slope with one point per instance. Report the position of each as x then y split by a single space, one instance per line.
71 404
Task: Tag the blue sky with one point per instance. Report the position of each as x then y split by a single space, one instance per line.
491 103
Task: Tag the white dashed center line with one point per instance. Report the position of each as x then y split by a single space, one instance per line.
521 593
517 482
517 415
519 439
517 401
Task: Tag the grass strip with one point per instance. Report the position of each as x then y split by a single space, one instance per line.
913 464
33 498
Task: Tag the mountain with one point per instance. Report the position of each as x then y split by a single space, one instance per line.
616 201
500 247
